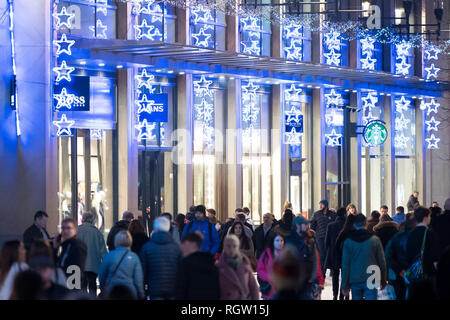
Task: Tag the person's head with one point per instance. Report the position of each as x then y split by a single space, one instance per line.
167 215
212 219
179 219
241 217
211 212
285 273
351 209
246 211
400 209
278 242
28 285
434 204
323 204
359 222
40 248
422 215
12 251
123 239
287 205
410 222
375 215
267 219
191 242
127 215
69 229
200 212
136 227
301 224
288 216
231 246
40 219
435 212
416 194
341 212
237 228
161 224
384 209
238 211
87 218
385 217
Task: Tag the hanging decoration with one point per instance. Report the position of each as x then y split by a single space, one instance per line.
251 37
402 132
99 29
367 53
402 53
203 115
332 48
14 91
293 41
334 117
202 27
374 134
251 112
293 98
149 14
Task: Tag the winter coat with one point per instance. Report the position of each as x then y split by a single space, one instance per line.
442 230
395 252
320 222
385 230
264 268
361 250
411 202
283 228
210 242
73 252
139 239
431 251
33 234
237 284
160 257
307 252
119 226
399 217
7 286
95 243
371 223
198 278
332 254
262 242
129 272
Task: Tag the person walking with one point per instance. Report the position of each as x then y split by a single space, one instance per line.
173 227
160 257
351 209
180 222
197 276
386 229
37 231
138 236
264 235
373 221
123 224
42 248
12 262
237 281
248 220
246 243
319 224
332 255
201 223
122 267
442 228
399 215
265 263
45 267
284 227
362 250
96 250
413 201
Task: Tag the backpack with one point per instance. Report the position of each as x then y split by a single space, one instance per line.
415 271
209 229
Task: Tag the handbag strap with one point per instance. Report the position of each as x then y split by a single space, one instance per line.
423 243
117 266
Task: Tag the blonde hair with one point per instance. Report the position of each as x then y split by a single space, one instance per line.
123 239
287 205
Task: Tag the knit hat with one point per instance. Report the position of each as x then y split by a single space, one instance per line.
300 220
324 202
447 204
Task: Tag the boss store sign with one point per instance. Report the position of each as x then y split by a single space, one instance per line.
73 95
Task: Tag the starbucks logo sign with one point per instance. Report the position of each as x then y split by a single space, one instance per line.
375 133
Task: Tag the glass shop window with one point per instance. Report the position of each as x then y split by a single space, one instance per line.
207 25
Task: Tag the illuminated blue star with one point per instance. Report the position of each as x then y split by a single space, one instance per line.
204 110
144 80
63 72
333 98
402 67
292 31
332 40
96 134
401 123
63 15
403 48
101 6
293 115
144 30
333 58
432 71
250 23
293 137
432 142
64 99
100 30
201 87
249 90
433 106
294 52
201 15
432 124
402 104
400 141
145 130
201 39
333 139
144 104
368 118
367 44
430 56
249 112
143 6
253 48
64 45
293 93
370 100
155 33
156 13
64 126
368 63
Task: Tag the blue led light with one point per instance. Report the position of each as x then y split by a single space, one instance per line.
201 87
431 53
432 142
145 80
293 115
13 62
333 139
402 104
65 99
432 72
143 6
294 52
368 63
402 67
400 141
202 15
432 106
401 123
63 72
204 110
370 100
333 98
144 30
145 130
333 58
254 48
334 117
432 124
402 49
332 40
64 126
293 93
292 137
64 45
144 104
201 38
100 30
63 15
250 23
367 44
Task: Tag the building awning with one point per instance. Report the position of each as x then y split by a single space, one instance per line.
161 55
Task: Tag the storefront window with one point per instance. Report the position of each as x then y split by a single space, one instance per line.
208 27
255 33
335 49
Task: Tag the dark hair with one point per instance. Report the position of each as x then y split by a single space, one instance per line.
40 214
201 208
69 220
271 244
211 211
241 216
239 210
410 222
120 292
193 237
384 207
192 209
243 239
246 209
9 255
341 212
40 248
28 285
386 217
420 213
167 214
375 214
136 227
359 220
400 209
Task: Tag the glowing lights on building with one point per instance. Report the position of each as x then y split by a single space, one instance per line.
293 115
293 41
402 52
251 36
332 48
368 60
203 115
202 27
334 103
402 125
150 14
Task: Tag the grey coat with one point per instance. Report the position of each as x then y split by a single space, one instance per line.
95 243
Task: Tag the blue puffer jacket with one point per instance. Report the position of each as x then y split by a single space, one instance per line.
203 226
160 257
128 274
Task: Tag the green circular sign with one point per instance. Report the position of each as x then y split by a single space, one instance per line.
375 133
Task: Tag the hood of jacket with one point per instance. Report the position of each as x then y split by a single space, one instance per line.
386 224
161 237
122 224
359 235
201 261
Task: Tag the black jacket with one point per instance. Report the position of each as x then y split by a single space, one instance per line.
320 222
33 234
332 254
442 230
139 239
260 242
160 257
223 232
119 226
307 252
198 278
395 252
411 202
431 251
73 252
385 230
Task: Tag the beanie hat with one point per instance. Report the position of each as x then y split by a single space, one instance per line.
300 220
324 202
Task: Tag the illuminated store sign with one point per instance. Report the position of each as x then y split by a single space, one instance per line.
153 107
375 133
73 96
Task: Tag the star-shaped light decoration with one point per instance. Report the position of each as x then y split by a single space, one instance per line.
142 6
403 48
293 137
432 72
202 15
96 134
432 53
292 30
249 90
293 115
64 45
65 99
367 44
204 110
332 40
250 23
145 130
155 35
144 80
402 104
432 124
294 52
63 15
432 142
144 104
333 98
201 38
368 118
101 6
144 30
201 87
63 72
64 126
333 139
99 31
253 48
293 93
432 106
368 63
249 112
401 123
370 100
400 141
402 67
333 58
